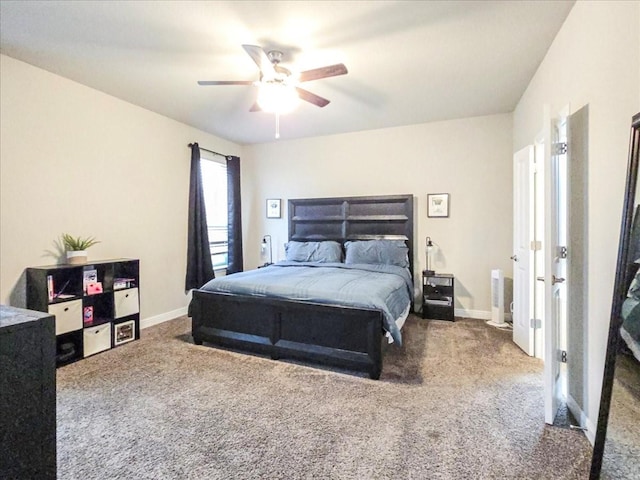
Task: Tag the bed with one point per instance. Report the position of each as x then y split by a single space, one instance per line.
260 318
630 328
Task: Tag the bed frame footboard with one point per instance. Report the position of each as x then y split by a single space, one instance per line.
332 335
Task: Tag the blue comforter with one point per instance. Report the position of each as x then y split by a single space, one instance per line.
383 287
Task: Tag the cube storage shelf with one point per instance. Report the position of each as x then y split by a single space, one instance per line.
27 394
89 320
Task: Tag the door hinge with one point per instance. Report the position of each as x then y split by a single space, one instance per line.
562 252
536 323
535 245
559 148
563 356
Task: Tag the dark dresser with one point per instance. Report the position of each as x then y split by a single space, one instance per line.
27 394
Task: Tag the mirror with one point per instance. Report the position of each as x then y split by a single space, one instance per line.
616 452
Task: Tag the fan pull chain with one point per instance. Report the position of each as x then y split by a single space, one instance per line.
277 124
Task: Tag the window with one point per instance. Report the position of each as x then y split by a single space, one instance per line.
214 184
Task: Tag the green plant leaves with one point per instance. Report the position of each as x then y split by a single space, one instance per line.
77 243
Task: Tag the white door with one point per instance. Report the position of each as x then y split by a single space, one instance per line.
555 263
523 235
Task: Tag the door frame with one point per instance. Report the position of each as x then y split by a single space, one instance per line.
555 285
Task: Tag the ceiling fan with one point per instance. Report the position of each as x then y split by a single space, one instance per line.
279 90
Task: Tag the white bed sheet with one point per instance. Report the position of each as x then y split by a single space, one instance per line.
400 322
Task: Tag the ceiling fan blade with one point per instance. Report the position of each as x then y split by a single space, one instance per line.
255 108
323 72
225 82
312 97
257 55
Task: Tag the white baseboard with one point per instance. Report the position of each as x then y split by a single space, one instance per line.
163 317
590 431
479 314
578 414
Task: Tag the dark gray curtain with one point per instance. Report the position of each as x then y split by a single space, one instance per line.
199 267
235 217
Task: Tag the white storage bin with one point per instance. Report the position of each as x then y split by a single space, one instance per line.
97 339
126 302
68 316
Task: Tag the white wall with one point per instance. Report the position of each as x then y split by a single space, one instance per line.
73 159
595 60
470 159
76 160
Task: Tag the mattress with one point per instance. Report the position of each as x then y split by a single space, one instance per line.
387 288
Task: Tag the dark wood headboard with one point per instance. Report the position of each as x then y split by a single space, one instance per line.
388 217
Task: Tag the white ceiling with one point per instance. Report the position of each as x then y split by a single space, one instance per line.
409 62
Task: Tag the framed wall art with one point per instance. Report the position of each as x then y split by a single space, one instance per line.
273 208
437 205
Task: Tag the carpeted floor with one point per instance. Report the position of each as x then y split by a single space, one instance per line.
458 401
621 458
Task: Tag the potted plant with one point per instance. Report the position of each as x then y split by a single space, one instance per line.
77 248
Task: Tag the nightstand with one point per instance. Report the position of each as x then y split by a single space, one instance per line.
437 296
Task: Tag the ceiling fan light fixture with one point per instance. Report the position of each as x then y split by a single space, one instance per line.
277 98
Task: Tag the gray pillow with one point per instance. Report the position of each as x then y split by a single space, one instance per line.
381 252
320 252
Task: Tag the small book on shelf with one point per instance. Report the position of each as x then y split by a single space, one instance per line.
120 283
87 316
89 276
94 287
50 287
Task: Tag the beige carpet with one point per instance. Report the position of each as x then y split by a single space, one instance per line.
458 401
621 458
